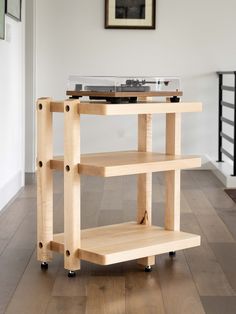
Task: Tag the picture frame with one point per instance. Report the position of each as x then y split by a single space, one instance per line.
130 14
13 9
2 19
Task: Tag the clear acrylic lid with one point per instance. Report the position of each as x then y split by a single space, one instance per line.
123 83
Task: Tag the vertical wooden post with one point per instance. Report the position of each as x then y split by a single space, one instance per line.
144 213
71 185
44 180
173 147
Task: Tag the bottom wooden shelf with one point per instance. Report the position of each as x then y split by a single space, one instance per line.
128 241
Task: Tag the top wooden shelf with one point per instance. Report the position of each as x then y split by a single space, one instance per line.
102 108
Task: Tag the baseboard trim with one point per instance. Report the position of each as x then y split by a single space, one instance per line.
223 171
10 189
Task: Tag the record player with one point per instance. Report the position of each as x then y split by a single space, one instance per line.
121 89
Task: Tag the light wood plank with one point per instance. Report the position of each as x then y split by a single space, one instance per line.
44 180
127 241
97 108
57 106
130 162
143 107
173 146
144 186
71 185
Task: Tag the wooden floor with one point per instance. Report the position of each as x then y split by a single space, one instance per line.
198 280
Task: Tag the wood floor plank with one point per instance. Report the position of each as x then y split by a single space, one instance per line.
13 217
25 236
67 287
226 255
219 305
214 228
112 200
178 289
211 224
66 305
129 188
3 244
198 202
12 265
184 205
33 292
208 275
158 194
143 293
187 180
229 219
105 295
107 217
205 178
218 198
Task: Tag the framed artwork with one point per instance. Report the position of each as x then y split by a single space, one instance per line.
13 9
2 19
136 14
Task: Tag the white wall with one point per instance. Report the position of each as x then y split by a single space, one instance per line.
30 154
12 110
193 39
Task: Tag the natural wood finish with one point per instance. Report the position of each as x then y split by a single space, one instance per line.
123 242
173 133
97 108
130 162
44 180
57 106
142 107
144 192
124 94
140 240
71 185
173 146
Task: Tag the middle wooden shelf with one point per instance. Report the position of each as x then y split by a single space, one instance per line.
128 162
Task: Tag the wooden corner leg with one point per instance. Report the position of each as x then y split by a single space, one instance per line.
172 204
71 186
144 212
173 147
44 181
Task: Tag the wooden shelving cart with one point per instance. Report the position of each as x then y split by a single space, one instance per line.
115 243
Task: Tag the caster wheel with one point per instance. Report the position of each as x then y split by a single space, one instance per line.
71 273
172 254
44 266
148 269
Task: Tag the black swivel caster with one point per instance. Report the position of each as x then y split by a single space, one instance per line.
172 254
71 273
44 266
148 269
